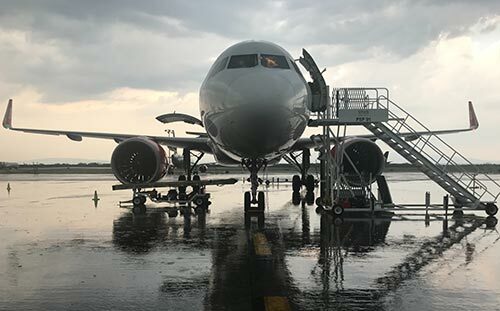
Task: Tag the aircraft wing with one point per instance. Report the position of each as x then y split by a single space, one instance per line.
304 143
194 143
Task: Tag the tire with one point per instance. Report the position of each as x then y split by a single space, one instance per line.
296 183
337 210
310 183
246 201
172 194
199 201
491 209
261 201
138 200
491 222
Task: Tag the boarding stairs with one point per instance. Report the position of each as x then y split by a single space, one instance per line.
338 186
417 144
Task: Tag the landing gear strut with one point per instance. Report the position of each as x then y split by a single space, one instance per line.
252 197
302 161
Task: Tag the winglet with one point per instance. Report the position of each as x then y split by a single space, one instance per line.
473 122
7 119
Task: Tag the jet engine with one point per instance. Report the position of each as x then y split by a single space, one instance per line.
139 160
361 160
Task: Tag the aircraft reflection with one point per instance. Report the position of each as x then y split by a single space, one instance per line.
142 233
357 237
235 271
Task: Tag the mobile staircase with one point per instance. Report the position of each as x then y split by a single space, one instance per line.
423 148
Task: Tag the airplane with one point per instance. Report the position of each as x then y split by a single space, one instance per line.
254 107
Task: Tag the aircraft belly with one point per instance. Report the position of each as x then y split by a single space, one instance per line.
266 134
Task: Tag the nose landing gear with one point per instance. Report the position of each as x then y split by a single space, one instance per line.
254 198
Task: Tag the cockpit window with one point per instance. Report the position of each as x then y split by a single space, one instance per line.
243 61
274 61
218 67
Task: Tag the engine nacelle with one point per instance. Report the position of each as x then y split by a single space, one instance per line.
366 157
139 160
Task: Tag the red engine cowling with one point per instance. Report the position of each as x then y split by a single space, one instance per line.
366 160
139 160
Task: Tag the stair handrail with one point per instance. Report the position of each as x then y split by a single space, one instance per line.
440 152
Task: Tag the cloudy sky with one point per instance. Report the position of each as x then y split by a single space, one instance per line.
116 65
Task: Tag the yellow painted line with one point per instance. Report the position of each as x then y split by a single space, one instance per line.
261 245
276 303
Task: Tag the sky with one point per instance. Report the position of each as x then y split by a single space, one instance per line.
116 65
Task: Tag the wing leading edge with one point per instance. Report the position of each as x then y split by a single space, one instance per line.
194 143
303 143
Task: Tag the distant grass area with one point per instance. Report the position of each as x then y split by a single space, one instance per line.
94 168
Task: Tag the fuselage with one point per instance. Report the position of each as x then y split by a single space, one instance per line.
253 102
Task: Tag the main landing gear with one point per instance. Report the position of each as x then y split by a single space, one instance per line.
302 161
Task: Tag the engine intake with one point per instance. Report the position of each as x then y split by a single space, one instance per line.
139 160
366 158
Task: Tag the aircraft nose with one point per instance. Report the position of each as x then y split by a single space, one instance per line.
259 89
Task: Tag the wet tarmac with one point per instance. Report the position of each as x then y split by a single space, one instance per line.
59 252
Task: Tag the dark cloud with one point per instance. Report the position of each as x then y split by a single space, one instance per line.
71 50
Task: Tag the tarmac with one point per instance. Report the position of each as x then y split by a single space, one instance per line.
60 251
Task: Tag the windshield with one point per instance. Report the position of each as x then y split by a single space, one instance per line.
243 61
274 61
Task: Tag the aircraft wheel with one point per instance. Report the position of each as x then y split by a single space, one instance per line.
139 200
458 213
319 210
172 194
296 183
310 183
261 201
337 210
199 201
247 201
491 209
491 222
